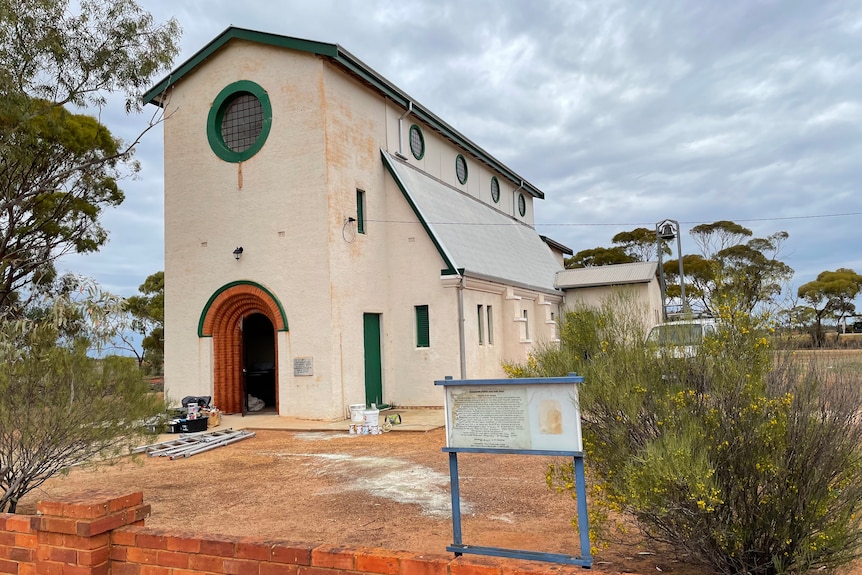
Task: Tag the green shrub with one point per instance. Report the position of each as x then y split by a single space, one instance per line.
744 459
59 405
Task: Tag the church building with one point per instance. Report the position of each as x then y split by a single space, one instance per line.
329 241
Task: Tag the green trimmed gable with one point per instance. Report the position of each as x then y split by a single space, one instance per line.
346 61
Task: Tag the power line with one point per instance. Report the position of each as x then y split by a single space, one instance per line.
593 224
693 222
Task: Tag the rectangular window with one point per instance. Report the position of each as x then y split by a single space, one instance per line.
423 337
360 211
490 327
481 315
526 326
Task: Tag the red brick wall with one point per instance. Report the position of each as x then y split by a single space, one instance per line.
67 537
99 535
18 545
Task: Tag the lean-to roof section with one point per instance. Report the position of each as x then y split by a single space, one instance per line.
472 236
617 274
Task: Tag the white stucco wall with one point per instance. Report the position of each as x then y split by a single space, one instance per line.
276 210
439 161
647 297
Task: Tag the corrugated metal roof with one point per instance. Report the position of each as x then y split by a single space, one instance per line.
473 236
618 274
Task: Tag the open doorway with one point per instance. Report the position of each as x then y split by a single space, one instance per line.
223 320
258 345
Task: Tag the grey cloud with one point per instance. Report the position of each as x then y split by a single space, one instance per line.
622 111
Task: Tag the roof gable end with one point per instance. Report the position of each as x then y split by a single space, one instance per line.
154 94
353 65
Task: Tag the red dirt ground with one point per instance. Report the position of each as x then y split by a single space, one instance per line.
389 491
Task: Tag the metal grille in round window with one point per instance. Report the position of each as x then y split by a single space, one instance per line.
495 190
417 142
522 205
461 169
242 122
239 121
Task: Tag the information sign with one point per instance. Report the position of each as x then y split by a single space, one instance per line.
531 416
525 417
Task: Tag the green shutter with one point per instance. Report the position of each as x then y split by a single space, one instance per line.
360 211
423 338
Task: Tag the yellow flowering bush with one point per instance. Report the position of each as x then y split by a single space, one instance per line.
744 458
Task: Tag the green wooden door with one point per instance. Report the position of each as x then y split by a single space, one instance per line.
373 363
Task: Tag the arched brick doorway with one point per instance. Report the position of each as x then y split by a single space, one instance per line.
222 319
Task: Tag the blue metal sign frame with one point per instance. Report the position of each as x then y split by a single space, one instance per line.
458 547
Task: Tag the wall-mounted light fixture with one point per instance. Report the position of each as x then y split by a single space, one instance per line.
237 253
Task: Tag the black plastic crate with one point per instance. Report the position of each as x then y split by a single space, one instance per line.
187 425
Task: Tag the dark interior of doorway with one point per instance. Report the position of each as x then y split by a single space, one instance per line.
259 343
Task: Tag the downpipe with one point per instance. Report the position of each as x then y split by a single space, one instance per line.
401 128
462 342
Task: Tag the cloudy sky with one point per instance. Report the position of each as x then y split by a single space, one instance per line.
624 112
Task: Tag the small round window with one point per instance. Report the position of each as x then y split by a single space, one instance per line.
522 205
461 169
495 189
239 121
417 142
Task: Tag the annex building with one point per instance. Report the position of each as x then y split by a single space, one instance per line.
329 241
634 284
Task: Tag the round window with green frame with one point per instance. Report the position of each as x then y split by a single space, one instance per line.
495 189
522 205
461 169
417 142
239 121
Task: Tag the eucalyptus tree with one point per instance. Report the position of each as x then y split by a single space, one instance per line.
147 311
731 266
60 404
637 245
60 63
831 294
734 268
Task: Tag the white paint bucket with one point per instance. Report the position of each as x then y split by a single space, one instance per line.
356 415
372 417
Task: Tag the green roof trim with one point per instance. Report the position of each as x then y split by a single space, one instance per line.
450 266
557 245
226 287
353 65
153 96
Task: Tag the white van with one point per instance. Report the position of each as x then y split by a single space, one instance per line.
682 339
